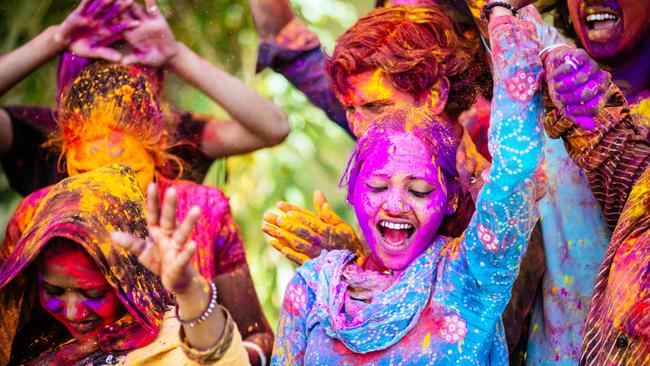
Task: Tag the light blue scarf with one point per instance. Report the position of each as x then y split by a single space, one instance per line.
389 316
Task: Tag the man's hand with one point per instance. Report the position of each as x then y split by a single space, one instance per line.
301 235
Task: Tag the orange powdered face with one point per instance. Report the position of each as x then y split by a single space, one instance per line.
111 114
114 147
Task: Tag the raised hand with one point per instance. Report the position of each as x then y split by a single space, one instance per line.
167 251
300 235
577 85
152 41
93 26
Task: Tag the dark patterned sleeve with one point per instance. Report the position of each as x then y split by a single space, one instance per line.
28 165
613 155
296 54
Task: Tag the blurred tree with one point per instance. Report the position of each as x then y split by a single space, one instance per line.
313 156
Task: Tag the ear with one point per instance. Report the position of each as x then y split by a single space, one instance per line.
437 98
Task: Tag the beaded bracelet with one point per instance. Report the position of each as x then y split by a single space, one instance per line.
487 9
206 313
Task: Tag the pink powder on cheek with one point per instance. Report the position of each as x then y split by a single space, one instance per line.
108 306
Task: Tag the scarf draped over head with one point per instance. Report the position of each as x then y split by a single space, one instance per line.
391 313
85 209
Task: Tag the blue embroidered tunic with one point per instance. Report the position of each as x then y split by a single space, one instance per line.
445 307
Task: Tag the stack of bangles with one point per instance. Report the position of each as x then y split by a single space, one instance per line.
217 351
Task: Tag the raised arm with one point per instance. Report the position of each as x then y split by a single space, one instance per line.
547 35
83 32
257 123
271 16
506 212
613 154
207 330
289 48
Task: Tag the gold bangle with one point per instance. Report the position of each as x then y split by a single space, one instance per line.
216 352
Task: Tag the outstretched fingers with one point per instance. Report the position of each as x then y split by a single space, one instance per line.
168 212
329 216
153 205
293 241
143 249
287 207
319 200
289 253
182 233
152 8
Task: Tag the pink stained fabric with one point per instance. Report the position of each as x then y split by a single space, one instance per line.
220 248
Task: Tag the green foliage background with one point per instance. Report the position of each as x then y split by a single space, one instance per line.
313 156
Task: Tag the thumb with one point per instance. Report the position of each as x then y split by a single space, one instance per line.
319 200
329 216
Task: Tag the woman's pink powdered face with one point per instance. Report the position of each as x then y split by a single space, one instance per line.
400 199
74 291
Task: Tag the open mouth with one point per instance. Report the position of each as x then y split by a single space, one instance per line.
601 20
395 234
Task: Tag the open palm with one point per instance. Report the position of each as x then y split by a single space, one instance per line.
93 26
167 251
152 41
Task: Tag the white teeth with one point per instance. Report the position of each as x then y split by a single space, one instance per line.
600 17
395 226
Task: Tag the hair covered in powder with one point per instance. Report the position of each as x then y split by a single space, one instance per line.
108 97
435 135
415 47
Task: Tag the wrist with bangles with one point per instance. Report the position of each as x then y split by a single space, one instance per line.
212 304
487 9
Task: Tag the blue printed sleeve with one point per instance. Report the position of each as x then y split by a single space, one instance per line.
292 332
506 210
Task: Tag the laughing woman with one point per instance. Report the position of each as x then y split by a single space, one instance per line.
420 298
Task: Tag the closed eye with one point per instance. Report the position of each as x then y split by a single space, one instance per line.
95 293
376 189
420 194
53 290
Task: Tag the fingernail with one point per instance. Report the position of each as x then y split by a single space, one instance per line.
118 237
